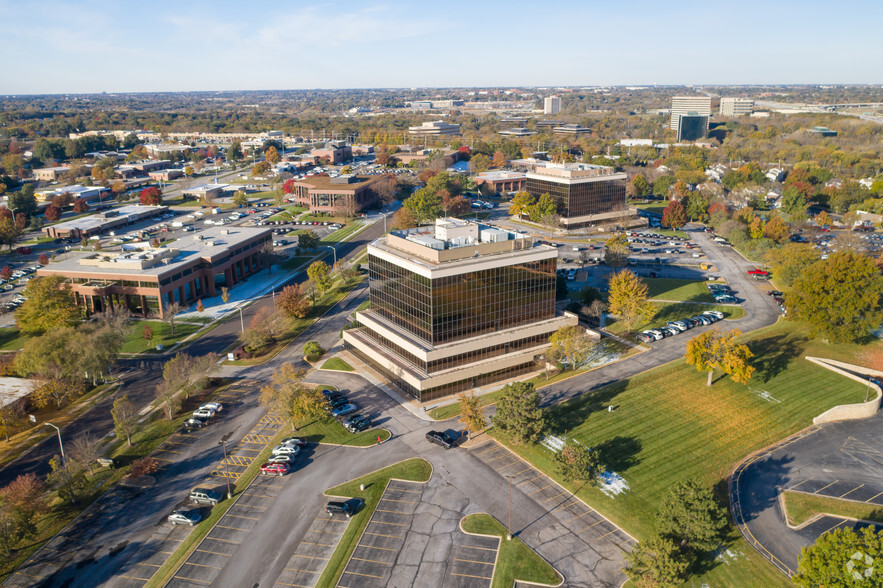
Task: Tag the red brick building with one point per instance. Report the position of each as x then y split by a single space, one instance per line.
327 194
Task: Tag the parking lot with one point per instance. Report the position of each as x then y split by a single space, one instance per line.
312 554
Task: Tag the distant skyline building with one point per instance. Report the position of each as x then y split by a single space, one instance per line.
680 105
456 306
552 105
731 106
584 194
692 127
436 127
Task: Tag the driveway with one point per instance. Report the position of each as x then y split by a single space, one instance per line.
839 460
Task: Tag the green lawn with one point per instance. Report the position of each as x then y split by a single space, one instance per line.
329 430
515 561
11 339
800 507
319 218
292 263
669 426
415 469
335 363
656 206
343 234
681 290
136 343
671 311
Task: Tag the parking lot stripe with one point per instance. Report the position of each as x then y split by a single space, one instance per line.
543 488
176 443
604 535
319 544
397 500
300 570
250 505
214 552
588 512
375 547
528 468
385 523
309 556
556 496
382 535
851 491
477 547
531 480
383 563
330 520
391 489
487 563
163 459
589 527
491 448
31 576
169 450
873 497
144 563
365 575
190 563
134 578
223 540
835 526
295 585
831 484
193 580
229 514
325 532
470 576
392 511
799 483
505 453
232 528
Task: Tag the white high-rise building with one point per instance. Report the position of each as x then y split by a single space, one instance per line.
683 105
552 105
736 106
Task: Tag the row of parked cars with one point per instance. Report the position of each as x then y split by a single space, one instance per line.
677 327
344 410
202 415
284 456
722 293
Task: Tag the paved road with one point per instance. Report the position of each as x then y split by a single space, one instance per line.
839 460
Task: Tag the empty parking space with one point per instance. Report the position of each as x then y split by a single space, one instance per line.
868 491
471 561
312 554
246 451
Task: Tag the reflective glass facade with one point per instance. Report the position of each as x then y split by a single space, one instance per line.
583 199
448 309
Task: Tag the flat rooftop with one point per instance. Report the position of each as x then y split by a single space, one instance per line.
325 183
499 175
96 221
209 245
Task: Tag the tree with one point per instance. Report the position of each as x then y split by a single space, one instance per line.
307 240
80 206
674 216
52 213
225 294
519 414
690 515
151 196
10 415
579 463
69 480
21 501
617 250
43 259
188 171
656 563
272 155
320 276
169 315
62 200
293 302
697 205
234 152
23 201
147 334
627 298
84 450
715 351
823 220
287 394
424 205
641 186
500 159
479 163
187 374
6 272
755 228
313 351
839 297
264 329
777 230
789 261
142 467
10 231
793 201
168 398
843 557
403 219
125 418
570 345
521 203
471 416
544 207
240 199
49 305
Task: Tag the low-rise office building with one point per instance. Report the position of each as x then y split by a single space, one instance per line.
333 152
502 181
350 193
102 222
53 174
571 129
144 280
517 132
87 193
584 194
434 128
731 106
456 306
205 192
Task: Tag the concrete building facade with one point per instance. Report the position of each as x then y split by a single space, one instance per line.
698 105
731 106
457 306
552 105
434 128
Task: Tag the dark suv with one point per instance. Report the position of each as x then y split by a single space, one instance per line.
345 508
440 438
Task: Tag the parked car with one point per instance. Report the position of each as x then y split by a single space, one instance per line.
185 517
215 406
344 409
195 423
716 314
278 469
347 508
299 441
204 413
288 458
205 496
357 423
440 438
286 450
645 337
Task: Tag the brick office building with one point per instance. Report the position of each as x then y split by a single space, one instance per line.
326 194
145 279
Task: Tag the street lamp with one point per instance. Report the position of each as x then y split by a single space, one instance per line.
60 444
333 250
241 320
509 527
223 443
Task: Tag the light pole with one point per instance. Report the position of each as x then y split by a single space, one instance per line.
223 443
509 527
241 320
60 444
334 251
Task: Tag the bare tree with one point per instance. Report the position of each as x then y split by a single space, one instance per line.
125 417
84 450
170 312
168 398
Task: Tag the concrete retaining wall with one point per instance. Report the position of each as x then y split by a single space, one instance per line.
846 412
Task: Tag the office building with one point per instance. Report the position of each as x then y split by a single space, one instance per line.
102 222
145 279
552 105
823 131
697 105
436 127
692 127
456 306
333 152
350 193
87 193
585 194
736 106
571 129
499 181
517 132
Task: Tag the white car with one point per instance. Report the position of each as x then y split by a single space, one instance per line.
204 413
215 406
286 450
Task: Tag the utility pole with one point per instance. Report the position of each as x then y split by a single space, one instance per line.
60 444
223 442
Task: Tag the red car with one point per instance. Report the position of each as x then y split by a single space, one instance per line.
279 469
758 272
23 250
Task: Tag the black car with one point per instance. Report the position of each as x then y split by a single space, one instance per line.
357 424
345 508
440 438
337 403
195 423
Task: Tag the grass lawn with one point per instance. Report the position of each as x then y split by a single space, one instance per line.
11 339
671 311
656 206
329 430
681 290
515 561
318 218
292 263
415 469
343 234
801 506
335 363
135 342
669 426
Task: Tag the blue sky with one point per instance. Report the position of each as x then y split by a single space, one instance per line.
118 46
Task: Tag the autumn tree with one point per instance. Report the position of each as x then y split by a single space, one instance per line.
69 480
843 557
10 416
187 374
570 345
656 563
479 163
471 416
521 203
264 329
674 216
716 351
690 515
151 196
403 219
617 250
49 305
147 334
22 501
125 418
287 394
519 414
823 220
240 199
52 213
168 398
225 294
627 298
293 301
777 230
320 276
500 159
641 186
543 208
43 259
307 240
577 463
789 261
80 206
271 155
839 297
84 450
313 351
